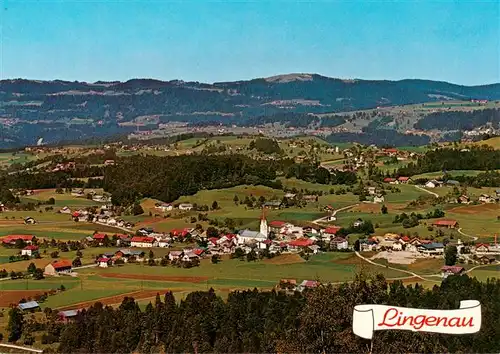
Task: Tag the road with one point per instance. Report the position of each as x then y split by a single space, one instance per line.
427 191
397 269
462 233
317 221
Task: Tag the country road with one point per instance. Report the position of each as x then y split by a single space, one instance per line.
474 238
317 221
18 347
427 191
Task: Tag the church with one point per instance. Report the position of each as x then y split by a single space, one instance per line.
248 236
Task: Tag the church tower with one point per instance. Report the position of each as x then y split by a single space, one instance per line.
263 224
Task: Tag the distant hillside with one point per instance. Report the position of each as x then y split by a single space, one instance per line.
62 110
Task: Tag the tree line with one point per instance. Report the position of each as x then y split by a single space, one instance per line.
252 321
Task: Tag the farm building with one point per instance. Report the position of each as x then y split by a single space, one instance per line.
29 306
67 316
62 266
104 262
30 250
450 224
339 243
11 239
307 284
451 270
185 206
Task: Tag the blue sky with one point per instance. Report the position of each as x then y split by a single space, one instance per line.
456 41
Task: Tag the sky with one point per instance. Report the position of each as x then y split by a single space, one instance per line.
212 41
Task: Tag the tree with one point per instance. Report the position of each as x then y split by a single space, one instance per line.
38 274
383 209
215 205
54 254
15 325
236 199
137 209
251 256
79 254
450 255
77 262
51 201
215 259
151 254
31 268
238 253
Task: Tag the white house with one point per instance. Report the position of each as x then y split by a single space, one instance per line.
485 198
397 246
164 207
185 206
143 241
248 236
339 243
103 262
30 250
173 255
432 184
378 198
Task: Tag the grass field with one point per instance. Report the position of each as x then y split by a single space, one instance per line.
440 174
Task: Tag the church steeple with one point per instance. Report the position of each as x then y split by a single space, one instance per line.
263 224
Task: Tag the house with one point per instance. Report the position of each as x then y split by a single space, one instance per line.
390 180
482 248
378 198
368 245
173 255
314 248
331 231
307 284
397 245
67 316
463 199
450 224
431 248
432 184
143 241
278 227
273 204
29 220
99 237
185 206
29 306
163 242
30 250
180 233
487 259
103 262
339 243
372 190
300 243
127 253
404 180
65 210
485 198
11 239
446 271
61 266
164 207
189 256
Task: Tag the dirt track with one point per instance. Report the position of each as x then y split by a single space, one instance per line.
155 277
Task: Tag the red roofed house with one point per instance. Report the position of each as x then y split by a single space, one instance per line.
390 180
278 227
451 270
308 284
450 224
30 250
58 267
404 180
143 241
482 248
405 239
103 262
180 233
198 251
331 231
11 239
300 243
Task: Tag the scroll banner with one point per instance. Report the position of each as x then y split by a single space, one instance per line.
369 318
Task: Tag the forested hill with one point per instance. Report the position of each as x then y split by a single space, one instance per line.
71 110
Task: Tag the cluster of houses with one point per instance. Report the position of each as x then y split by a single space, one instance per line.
164 207
95 196
290 285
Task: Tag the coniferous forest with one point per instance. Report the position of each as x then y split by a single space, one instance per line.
315 321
